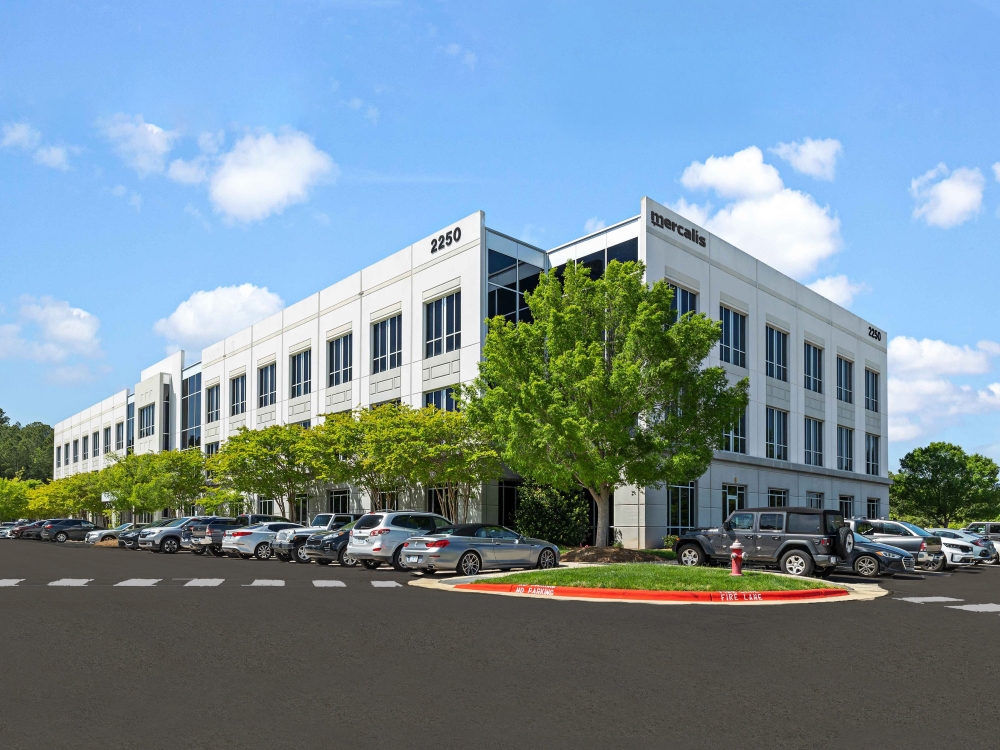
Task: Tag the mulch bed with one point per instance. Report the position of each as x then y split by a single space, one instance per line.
608 555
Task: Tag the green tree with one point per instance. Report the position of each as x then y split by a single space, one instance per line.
546 513
13 499
83 493
136 483
940 484
270 463
183 476
605 387
25 451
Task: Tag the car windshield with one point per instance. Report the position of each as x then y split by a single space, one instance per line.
122 526
322 520
915 529
345 527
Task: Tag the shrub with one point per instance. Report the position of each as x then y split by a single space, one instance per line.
669 541
546 513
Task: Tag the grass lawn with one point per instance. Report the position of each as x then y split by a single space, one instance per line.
654 577
666 554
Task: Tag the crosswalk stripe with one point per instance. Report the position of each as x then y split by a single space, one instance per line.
266 582
329 584
10 581
928 599
384 584
978 607
204 582
71 582
139 582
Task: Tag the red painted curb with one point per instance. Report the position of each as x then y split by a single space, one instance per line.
731 597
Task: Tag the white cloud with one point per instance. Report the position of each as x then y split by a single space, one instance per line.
928 358
949 201
210 316
53 156
467 57
51 332
134 198
996 171
264 174
191 210
593 224
839 289
816 158
191 172
692 211
210 143
135 201
742 175
143 145
20 135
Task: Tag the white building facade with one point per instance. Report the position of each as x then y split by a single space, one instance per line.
410 327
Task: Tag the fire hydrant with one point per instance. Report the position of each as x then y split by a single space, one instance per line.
737 558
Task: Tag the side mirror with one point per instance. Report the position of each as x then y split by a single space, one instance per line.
727 526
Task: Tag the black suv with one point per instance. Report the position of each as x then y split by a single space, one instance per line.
800 541
62 529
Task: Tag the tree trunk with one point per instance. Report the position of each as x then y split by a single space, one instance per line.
602 500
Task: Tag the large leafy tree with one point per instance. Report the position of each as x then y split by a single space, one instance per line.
606 387
183 474
13 498
25 451
136 483
940 484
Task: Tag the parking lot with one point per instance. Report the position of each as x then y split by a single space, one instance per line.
131 652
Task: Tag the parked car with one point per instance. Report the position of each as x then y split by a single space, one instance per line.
924 546
34 530
326 546
871 559
988 530
166 538
983 550
130 539
288 545
63 529
208 535
15 531
255 541
107 535
5 528
471 548
799 541
378 537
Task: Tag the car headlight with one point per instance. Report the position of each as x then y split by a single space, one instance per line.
889 555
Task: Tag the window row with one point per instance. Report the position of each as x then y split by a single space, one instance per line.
734 498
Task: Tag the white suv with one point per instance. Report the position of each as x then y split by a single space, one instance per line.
378 537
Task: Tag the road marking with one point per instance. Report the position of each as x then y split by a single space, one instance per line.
978 607
139 582
265 582
927 599
10 581
384 584
71 582
204 582
329 584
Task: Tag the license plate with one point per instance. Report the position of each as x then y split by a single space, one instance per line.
413 558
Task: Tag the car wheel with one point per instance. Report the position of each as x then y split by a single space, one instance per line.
546 559
866 566
300 554
169 545
469 564
371 564
345 559
283 557
263 551
796 563
691 555
198 550
939 566
107 539
61 537
323 562
397 559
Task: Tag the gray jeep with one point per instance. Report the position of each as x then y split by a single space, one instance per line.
800 541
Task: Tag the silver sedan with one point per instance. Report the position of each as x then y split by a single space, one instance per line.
471 548
255 541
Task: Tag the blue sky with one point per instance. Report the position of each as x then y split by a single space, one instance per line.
152 153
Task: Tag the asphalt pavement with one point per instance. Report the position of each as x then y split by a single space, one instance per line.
107 648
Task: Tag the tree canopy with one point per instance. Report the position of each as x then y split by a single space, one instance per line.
25 451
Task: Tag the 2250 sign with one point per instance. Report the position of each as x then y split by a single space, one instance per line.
452 236
875 333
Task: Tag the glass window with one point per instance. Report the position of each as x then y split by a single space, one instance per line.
58 456
340 360
734 497
772 522
742 522
86 445
845 448
165 412
871 454
444 325
733 345
387 344
777 354
211 448
300 370
130 427
683 301
338 501
238 395
442 399
994 528
777 498
813 374
734 439
814 442
814 500
119 436
95 445
776 443
845 380
107 439
212 403
191 412
873 507
147 421
267 385
847 506
871 390
681 507
805 523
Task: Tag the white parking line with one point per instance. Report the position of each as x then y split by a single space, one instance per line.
139 582
10 581
927 599
265 582
71 582
978 607
384 584
204 582
329 584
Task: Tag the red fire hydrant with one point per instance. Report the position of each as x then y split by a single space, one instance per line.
737 558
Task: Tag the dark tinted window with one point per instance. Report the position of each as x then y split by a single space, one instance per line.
423 523
483 533
895 529
773 522
402 522
864 527
742 521
994 528
369 522
443 523
804 523
624 251
833 522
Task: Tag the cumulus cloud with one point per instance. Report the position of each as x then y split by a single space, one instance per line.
816 158
133 198
53 333
192 172
928 358
467 57
839 289
142 145
264 174
593 224
742 175
210 316
946 199
23 136
53 156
